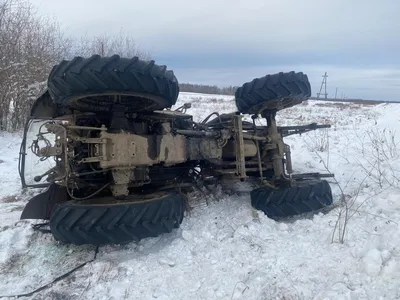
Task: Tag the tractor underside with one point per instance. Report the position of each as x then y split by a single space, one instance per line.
118 163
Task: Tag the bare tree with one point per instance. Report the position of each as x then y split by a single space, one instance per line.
30 46
122 44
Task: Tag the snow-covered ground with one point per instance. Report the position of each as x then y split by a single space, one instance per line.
225 250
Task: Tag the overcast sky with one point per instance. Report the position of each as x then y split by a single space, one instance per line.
230 42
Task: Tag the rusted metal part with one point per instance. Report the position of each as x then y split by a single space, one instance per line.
260 170
209 148
121 180
166 128
249 149
288 159
126 149
240 157
276 155
203 148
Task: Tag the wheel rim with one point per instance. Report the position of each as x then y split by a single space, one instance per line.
105 102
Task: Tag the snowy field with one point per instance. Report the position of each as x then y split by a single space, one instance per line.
227 251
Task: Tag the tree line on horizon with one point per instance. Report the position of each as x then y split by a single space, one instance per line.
207 89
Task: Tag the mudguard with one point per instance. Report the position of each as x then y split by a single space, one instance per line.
44 107
41 205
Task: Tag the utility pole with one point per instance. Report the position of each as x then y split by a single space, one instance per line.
323 84
336 93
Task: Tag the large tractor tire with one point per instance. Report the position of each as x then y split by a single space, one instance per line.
94 84
272 92
307 196
100 221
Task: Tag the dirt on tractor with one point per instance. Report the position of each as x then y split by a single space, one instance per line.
118 162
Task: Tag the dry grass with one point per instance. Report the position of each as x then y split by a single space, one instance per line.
10 264
3 228
9 199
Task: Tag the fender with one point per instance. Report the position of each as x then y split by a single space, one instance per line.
41 205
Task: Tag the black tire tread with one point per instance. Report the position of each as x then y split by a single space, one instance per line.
305 197
290 85
118 223
96 75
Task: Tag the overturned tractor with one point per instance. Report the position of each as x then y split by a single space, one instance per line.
117 161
